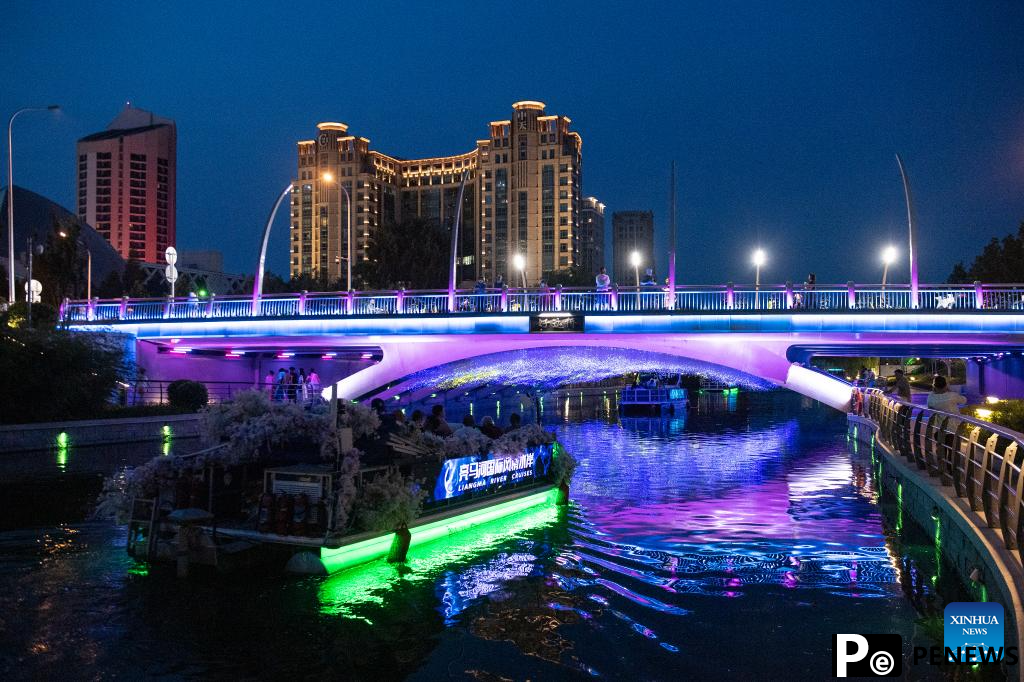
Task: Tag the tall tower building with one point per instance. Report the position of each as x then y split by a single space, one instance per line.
591 236
522 196
632 231
127 178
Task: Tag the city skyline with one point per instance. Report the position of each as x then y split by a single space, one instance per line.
784 141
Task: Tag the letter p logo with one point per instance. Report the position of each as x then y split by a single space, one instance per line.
849 649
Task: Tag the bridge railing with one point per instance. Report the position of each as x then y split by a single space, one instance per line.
626 299
980 460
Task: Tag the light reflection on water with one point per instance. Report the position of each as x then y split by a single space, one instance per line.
692 547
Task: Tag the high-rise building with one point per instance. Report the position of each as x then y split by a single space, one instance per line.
632 231
591 236
127 183
522 196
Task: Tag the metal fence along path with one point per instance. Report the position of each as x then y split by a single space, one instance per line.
687 299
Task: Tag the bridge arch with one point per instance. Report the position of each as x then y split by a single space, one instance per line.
760 356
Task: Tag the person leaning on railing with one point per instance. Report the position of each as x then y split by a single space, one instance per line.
942 399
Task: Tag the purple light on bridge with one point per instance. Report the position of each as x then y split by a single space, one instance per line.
550 367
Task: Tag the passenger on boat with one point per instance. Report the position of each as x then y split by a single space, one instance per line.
514 422
490 429
418 420
437 424
469 421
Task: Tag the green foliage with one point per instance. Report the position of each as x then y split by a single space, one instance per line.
16 316
184 394
415 253
563 465
56 375
570 277
1001 261
388 502
1009 413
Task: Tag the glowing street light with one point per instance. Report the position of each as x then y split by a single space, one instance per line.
10 194
520 264
635 260
888 258
329 177
758 259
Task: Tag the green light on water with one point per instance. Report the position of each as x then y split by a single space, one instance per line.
369 583
62 439
165 448
165 432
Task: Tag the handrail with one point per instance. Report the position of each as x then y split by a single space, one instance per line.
980 460
704 299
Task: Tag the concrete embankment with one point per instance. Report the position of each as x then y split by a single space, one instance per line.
21 437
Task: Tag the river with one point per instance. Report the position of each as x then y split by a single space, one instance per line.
729 544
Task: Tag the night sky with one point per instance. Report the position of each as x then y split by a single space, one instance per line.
783 118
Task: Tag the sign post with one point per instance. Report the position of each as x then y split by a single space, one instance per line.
171 272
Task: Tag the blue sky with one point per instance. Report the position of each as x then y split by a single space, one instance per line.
782 117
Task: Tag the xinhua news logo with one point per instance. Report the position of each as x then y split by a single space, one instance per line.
867 655
973 632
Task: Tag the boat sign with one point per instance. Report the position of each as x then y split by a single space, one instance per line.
487 473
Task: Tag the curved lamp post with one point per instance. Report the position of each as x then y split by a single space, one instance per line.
10 194
455 243
257 286
911 230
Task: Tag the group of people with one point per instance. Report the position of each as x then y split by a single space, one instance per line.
291 385
941 398
437 423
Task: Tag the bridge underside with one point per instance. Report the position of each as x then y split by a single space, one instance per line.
391 363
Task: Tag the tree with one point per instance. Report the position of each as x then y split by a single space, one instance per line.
569 277
414 253
60 268
1001 261
51 375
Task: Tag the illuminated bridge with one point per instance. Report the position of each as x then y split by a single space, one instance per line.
378 343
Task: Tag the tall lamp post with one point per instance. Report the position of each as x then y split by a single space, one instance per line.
88 263
329 177
257 285
758 259
888 258
520 264
10 194
911 232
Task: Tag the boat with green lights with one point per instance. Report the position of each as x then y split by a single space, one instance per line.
318 489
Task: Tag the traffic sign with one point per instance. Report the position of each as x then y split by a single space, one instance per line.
171 255
171 273
37 289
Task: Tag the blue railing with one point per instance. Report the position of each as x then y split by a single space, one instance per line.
685 299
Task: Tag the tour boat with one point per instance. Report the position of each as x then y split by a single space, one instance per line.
653 396
208 519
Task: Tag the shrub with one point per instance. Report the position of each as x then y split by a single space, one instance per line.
188 395
1009 413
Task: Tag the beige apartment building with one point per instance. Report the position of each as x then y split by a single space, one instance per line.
522 196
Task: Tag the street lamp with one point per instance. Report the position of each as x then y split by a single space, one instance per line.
758 259
10 194
634 260
329 177
520 264
88 266
888 258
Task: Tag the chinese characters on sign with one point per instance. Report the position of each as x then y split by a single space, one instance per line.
484 473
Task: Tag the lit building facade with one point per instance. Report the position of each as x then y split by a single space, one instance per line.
127 183
632 231
522 196
591 236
